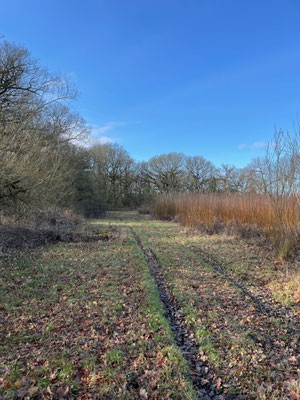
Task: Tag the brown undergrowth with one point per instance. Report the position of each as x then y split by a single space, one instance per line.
42 228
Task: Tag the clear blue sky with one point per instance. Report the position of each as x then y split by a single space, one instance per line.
207 77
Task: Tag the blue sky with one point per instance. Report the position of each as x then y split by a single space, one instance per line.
206 77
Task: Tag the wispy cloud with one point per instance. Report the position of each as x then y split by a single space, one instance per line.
98 130
106 133
253 146
99 133
259 145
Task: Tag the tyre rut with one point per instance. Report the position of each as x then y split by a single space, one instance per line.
205 382
262 306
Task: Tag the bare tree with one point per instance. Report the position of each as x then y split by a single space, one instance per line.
36 128
165 172
199 173
113 169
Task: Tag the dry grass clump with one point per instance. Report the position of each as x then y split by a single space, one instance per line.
249 215
146 209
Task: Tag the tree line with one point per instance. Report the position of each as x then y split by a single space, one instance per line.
44 164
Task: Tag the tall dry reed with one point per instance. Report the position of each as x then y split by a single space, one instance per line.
276 217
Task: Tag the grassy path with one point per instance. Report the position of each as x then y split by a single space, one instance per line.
92 320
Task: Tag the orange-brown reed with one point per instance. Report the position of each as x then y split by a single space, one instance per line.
277 217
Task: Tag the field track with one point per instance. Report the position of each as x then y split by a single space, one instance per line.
205 383
147 310
273 318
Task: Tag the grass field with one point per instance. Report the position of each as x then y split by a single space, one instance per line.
88 320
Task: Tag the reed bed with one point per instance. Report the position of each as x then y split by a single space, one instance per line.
278 218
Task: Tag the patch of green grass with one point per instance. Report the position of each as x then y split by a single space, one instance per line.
283 298
115 357
18 339
49 327
190 314
213 315
204 339
24 263
15 371
65 372
89 362
43 382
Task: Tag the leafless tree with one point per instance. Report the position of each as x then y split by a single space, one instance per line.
199 173
165 172
113 169
36 128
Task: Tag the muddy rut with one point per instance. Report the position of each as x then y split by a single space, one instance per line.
205 382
